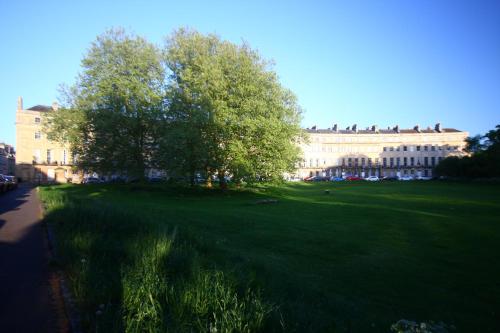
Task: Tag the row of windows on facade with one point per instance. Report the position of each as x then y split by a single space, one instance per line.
50 158
386 162
421 148
333 148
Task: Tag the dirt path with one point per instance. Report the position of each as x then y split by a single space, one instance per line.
26 298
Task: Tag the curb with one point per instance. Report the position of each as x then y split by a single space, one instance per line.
59 284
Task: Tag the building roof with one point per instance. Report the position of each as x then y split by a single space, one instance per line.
43 108
381 131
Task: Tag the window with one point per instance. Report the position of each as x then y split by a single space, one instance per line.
397 148
405 161
38 135
49 156
311 164
356 161
397 161
64 156
391 149
349 161
384 161
363 161
426 148
418 148
376 161
433 161
433 148
317 162
426 161
385 148
369 162
37 120
412 161
391 161
405 148
36 156
343 161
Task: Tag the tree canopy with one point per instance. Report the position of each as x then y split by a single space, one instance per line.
483 163
229 112
200 105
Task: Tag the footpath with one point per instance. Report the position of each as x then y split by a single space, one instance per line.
29 300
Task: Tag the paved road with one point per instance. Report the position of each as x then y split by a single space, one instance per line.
26 304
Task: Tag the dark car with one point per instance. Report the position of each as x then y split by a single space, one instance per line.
390 178
11 182
3 184
337 179
315 179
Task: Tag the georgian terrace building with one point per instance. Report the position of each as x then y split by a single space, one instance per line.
39 159
378 152
329 152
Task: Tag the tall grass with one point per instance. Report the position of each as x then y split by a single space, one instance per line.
130 273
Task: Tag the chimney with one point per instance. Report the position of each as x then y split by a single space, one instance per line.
417 128
55 106
396 128
313 128
355 128
20 103
375 128
438 127
335 128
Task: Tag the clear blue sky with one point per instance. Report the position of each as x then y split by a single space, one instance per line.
365 62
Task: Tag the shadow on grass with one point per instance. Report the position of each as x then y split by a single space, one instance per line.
131 274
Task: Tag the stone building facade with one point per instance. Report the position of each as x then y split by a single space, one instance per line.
372 151
38 159
7 159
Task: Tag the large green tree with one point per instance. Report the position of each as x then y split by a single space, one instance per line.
228 113
111 115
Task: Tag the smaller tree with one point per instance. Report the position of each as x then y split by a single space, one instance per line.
483 163
474 144
111 115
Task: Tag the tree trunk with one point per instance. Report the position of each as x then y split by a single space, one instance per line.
222 180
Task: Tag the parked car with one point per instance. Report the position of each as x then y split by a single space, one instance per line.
3 184
11 181
157 179
423 178
405 178
390 178
315 179
336 179
372 179
294 179
91 180
353 178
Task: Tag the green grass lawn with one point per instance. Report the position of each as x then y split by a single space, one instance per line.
152 258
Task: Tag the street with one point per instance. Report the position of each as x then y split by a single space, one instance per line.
26 302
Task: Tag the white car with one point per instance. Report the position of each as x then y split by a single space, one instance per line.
405 178
372 179
423 178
